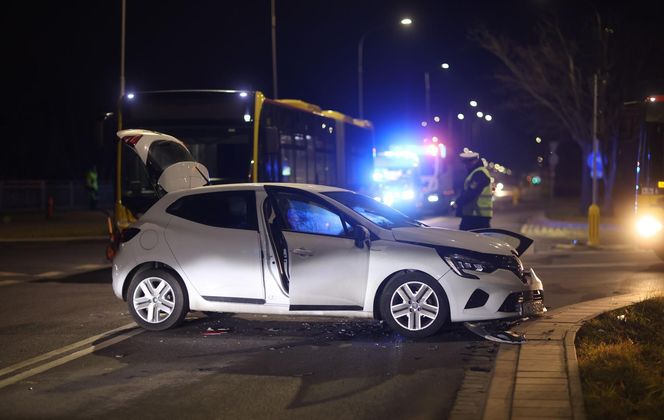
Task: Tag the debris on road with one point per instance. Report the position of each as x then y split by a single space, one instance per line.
495 332
215 331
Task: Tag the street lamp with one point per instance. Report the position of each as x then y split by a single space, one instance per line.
473 103
479 114
488 117
461 116
445 66
538 140
360 57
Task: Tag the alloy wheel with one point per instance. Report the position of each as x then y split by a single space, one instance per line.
154 300
414 305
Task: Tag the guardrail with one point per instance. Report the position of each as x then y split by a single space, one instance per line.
32 195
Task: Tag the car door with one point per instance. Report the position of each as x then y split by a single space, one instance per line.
326 268
214 237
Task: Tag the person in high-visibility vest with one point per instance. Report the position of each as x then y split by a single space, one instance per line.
475 203
92 185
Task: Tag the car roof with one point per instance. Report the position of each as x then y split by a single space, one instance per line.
257 186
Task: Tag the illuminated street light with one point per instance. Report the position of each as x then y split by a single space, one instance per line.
445 66
461 116
360 58
243 94
130 96
423 123
480 114
473 103
538 140
488 117
436 119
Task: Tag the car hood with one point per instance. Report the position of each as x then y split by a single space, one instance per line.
453 239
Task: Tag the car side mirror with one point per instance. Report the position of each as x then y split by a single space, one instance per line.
361 236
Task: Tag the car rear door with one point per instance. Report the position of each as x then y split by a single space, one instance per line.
214 237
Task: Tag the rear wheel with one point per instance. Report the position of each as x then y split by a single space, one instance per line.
157 300
414 305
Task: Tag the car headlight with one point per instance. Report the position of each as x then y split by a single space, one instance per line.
463 265
648 226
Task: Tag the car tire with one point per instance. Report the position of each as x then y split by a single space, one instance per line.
414 305
157 300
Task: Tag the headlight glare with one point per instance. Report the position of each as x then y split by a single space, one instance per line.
648 226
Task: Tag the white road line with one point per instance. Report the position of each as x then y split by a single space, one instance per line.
92 266
587 265
50 274
10 274
8 282
65 349
65 359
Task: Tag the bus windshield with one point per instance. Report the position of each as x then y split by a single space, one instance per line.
216 126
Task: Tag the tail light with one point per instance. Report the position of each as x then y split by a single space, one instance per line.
128 234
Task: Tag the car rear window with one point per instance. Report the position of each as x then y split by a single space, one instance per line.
228 209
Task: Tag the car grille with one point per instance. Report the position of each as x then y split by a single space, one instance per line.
513 299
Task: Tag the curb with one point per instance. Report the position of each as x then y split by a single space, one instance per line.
543 373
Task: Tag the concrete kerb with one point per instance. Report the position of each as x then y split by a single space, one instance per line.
545 368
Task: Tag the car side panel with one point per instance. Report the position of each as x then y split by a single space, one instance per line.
389 257
219 262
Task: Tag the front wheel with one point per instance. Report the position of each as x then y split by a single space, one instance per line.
156 300
414 305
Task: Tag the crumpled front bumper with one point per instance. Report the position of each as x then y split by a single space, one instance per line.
528 302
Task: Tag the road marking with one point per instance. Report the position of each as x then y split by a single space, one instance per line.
91 266
588 265
8 282
80 353
10 274
50 274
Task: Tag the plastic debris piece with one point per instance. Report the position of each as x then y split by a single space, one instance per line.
493 332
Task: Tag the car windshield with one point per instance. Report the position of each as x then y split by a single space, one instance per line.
377 213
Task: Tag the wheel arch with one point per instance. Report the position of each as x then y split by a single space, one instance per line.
150 265
379 291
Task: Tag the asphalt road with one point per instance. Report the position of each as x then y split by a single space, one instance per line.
246 366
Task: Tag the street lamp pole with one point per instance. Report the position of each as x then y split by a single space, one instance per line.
360 67
360 75
118 168
274 51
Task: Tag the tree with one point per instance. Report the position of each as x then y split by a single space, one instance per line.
555 73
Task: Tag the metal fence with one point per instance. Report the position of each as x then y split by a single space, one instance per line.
31 195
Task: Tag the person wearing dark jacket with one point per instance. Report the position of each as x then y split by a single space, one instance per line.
475 203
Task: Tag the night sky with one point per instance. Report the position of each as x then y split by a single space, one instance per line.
61 65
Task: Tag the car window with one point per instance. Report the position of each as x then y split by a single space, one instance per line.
300 213
229 209
164 153
377 213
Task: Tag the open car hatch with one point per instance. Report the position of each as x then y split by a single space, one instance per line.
170 165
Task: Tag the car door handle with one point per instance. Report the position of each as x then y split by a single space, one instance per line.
302 252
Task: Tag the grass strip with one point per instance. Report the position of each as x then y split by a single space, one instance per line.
621 362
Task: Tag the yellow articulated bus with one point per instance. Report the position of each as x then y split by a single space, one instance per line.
243 136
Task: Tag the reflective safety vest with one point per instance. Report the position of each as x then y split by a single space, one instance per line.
483 204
